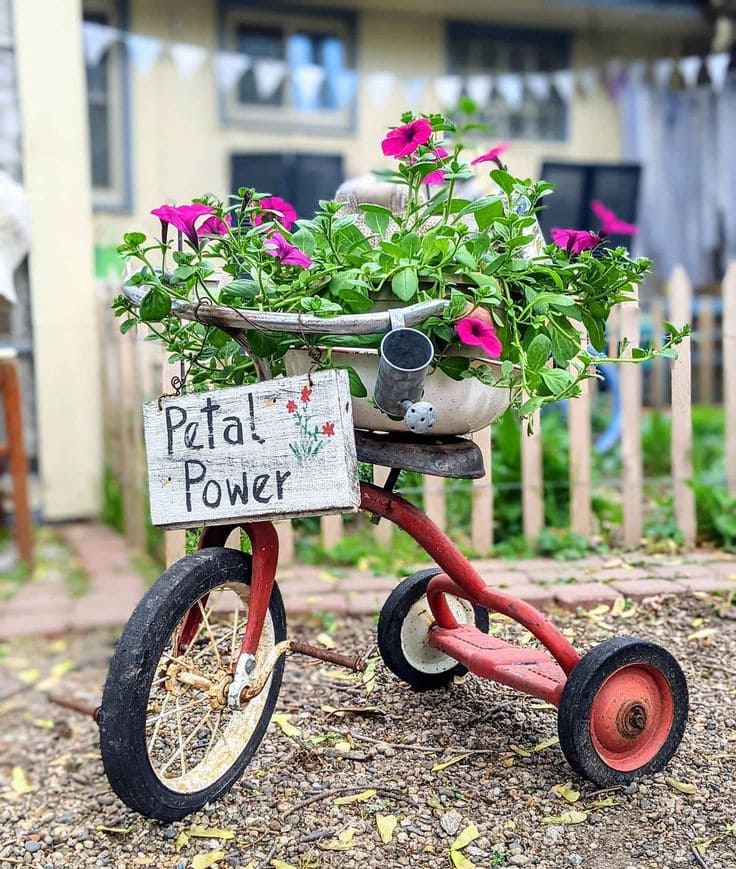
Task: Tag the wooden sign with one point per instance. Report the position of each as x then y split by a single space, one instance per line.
270 450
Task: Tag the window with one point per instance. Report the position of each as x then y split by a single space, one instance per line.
107 94
299 68
474 49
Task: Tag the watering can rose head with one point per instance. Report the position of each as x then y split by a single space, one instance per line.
463 230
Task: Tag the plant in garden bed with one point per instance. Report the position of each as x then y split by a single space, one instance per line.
510 297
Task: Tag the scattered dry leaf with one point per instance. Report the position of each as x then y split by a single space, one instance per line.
681 786
438 767
460 861
546 743
468 835
43 723
210 833
355 798
182 840
19 781
282 719
279 864
703 634
571 817
325 640
122 831
386 825
567 792
210 858
346 836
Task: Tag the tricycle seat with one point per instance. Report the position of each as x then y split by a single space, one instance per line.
448 456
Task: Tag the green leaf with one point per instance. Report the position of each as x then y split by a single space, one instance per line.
453 366
538 352
530 406
466 258
596 331
504 180
127 326
405 284
243 289
357 387
304 240
134 239
377 217
556 379
155 305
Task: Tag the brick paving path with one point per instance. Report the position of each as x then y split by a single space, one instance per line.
45 608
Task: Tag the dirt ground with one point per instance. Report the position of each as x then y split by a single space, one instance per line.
387 748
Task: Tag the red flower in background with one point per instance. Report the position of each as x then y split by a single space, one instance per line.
404 140
492 156
291 405
328 429
306 394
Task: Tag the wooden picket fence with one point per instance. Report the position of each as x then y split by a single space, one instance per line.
134 371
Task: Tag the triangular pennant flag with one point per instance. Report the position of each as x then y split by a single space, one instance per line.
344 85
268 75
538 84
564 82
637 70
511 87
414 87
96 39
143 50
379 86
308 79
187 58
615 76
662 70
689 69
717 66
448 89
229 67
589 79
478 88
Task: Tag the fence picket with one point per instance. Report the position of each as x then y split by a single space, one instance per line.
631 429
680 295
580 446
434 500
658 379
383 532
729 373
481 532
174 541
532 486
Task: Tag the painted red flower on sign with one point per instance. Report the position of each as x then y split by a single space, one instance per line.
306 394
291 405
328 429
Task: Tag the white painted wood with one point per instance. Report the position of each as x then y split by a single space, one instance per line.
631 397
175 541
434 500
680 294
270 450
383 532
532 478
580 448
481 533
729 373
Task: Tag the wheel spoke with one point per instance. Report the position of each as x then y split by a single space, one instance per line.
158 720
209 633
181 738
183 745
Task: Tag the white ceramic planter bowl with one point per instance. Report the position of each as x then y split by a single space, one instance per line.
462 406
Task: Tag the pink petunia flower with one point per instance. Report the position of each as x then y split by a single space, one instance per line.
575 240
404 140
475 332
492 156
277 209
286 252
193 220
438 175
611 223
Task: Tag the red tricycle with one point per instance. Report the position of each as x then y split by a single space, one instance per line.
196 674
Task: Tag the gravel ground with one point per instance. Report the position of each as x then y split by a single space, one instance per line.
284 808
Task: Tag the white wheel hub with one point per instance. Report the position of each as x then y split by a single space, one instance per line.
415 628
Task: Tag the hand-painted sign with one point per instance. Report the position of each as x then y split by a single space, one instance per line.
269 450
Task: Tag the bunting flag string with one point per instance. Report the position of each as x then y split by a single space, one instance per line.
307 79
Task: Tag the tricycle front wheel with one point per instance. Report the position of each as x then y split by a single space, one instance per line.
169 741
623 711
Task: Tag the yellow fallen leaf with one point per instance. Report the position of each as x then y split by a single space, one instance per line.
56 647
346 836
182 840
546 743
123 831
325 640
355 798
282 719
681 786
19 781
438 767
386 825
343 746
460 861
204 861
598 611
339 675
602 803
30 675
468 835
573 817
62 668
279 864
43 723
522 752
566 792
703 634
618 606
210 833
696 623
509 761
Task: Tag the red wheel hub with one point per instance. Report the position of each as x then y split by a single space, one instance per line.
631 716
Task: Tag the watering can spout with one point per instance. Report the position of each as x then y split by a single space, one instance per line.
405 356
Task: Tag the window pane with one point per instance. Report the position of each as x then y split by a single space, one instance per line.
99 129
260 42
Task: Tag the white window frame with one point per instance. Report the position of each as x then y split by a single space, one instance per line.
335 22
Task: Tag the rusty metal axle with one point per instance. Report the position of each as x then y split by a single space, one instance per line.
76 706
357 663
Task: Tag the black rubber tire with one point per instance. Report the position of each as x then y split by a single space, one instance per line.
573 722
131 673
390 620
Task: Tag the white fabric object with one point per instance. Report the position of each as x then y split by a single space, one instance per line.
229 67
345 85
717 66
97 39
510 86
414 87
689 68
15 233
662 70
637 71
479 87
564 83
589 79
144 51
379 86
268 74
539 85
308 80
448 89
187 58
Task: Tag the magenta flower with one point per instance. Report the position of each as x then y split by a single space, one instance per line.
186 217
404 140
575 240
438 175
276 208
611 223
477 333
492 156
286 252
